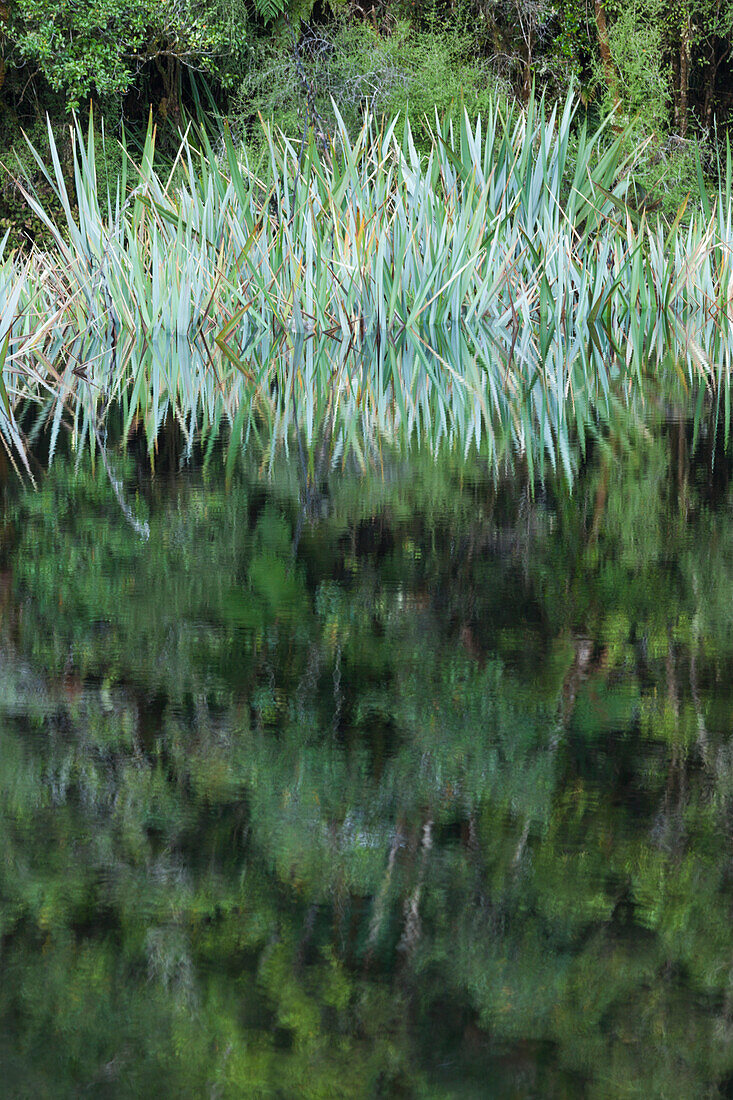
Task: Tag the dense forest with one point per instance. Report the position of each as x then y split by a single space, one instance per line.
663 69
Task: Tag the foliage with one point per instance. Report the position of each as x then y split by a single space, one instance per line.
664 65
636 45
83 49
355 70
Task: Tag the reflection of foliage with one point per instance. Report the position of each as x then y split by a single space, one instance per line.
446 791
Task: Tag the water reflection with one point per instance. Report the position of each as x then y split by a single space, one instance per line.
438 805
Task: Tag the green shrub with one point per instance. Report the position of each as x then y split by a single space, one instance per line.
80 49
358 69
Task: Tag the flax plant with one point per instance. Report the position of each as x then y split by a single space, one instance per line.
495 293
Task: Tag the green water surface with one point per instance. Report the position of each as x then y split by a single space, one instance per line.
423 791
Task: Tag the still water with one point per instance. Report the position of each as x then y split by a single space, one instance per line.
424 792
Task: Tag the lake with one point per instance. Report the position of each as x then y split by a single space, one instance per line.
420 788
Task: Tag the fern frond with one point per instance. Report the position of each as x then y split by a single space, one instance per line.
269 9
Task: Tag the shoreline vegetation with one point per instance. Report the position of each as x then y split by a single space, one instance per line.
499 290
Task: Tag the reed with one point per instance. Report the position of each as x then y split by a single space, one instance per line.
497 292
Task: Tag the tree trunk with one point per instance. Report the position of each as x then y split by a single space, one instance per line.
710 74
528 71
685 51
169 69
605 51
717 57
